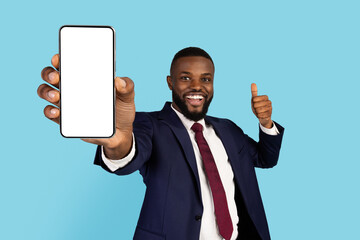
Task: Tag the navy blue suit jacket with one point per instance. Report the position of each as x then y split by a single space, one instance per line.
172 207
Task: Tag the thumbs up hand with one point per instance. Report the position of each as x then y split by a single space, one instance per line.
261 107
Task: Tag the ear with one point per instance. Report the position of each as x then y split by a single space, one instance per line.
169 82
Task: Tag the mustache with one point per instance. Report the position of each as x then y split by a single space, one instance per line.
197 91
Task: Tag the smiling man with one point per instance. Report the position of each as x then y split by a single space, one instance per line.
198 170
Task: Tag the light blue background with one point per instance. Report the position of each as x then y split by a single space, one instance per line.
303 54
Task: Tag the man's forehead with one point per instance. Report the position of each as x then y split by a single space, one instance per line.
193 63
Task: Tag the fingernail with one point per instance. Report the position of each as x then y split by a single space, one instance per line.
51 94
52 76
122 82
53 111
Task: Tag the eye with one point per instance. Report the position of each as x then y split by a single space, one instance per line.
206 79
185 78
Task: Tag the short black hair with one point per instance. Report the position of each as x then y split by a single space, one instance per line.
190 52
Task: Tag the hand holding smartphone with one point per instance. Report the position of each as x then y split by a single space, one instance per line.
87 102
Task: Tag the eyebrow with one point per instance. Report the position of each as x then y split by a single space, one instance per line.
206 74
203 74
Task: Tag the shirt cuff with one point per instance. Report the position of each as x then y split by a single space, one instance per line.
270 131
114 165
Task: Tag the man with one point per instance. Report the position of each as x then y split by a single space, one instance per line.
199 170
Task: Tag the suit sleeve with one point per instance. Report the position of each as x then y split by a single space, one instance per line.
143 131
265 153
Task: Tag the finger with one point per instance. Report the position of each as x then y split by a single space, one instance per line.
51 76
264 115
260 98
262 104
93 141
262 109
97 141
89 140
55 61
49 94
52 113
254 90
124 89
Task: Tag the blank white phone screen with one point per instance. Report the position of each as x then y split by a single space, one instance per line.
87 81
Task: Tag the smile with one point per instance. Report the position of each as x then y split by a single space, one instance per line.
195 99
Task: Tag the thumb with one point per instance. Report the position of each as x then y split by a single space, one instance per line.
124 89
120 84
254 91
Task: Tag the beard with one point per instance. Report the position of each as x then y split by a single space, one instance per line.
194 116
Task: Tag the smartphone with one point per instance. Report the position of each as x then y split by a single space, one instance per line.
87 72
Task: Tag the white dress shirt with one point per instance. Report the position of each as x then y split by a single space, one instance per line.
209 229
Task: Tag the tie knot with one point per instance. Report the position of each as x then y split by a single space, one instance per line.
197 127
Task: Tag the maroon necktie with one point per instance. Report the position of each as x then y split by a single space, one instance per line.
221 208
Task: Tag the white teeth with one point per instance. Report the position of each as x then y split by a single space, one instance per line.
195 97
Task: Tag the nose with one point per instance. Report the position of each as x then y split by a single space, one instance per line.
196 84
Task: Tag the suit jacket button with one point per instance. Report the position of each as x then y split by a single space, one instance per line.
198 218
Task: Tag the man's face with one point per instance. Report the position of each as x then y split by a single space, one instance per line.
191 82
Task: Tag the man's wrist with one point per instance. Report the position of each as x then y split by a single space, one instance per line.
267 124
118 151
270 131
115 164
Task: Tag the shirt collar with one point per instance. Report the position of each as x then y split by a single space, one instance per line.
187 122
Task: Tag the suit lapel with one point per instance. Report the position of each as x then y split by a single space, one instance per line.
172 120
232 148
